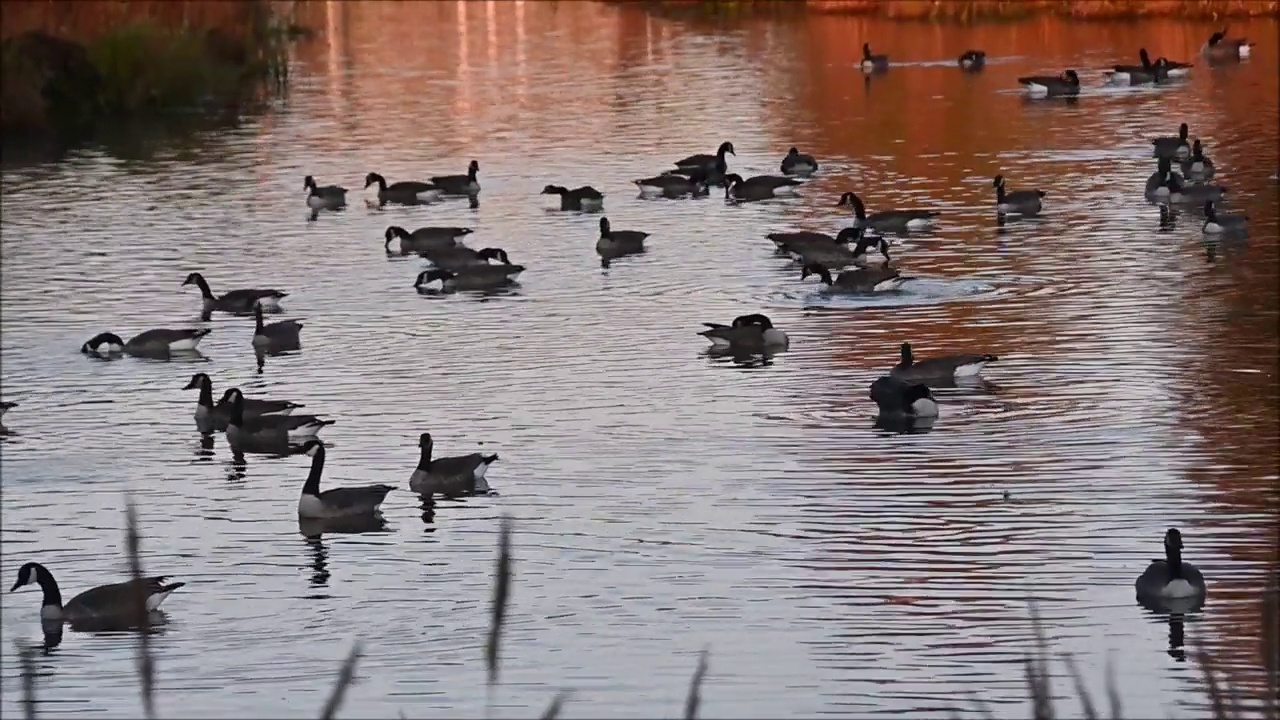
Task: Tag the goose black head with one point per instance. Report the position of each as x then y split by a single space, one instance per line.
849 199
198 380
375 178
916 392
24 575
848 235
1217 37
1183 130
429 276
1210 213
907 357
312 447
473 167
604 227
998 181
1173 539
726 147
96 343
554 190
494 254
424 440
308 183
1197 150
793 151
1071 77
395 231
1144 57
866 51
194 278
816 269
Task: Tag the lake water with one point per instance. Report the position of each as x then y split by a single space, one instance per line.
664 501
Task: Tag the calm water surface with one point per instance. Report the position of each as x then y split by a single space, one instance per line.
665 502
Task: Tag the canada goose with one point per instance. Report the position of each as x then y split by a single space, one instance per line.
614 243
973 60
5 406
275 430
1220 48
1170 578
459 185
216 416
861 280
1023 202
708 162
479 278
868 250
1066 84
780 185
873 63
671 185
1198 165
739 189
1133 74
1175 69
1172 147
703 175
424 238
899 398
1157 187
327 196
1191 194
113 600
335 502
235 301
939 368
585 198
159 340
405 192
796 163
748 333
793 243
886 220
1216 223
283 332
504 266
449 476
460 258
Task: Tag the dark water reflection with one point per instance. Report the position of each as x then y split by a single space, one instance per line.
667 499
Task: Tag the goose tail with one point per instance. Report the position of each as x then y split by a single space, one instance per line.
489 459
199 333
1043 193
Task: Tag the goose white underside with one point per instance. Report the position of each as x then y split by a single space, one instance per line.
718 342
429 195
310 506
774 337
591 204
185 344
480 470
1213 228
646 190
154 600
1244 51
969 369
306 431
802 169
1179 72
269 303
924 407
868 66
316 202
1182 153
890 284
919 223
1036 89
106 348
1161 192
1178 588
1118 78
787 190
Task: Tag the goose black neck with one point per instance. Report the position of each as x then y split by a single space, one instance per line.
204 286
312 486
257 314
471 173
1173 558
1000 195
859 210
907 359
237 410
52 595
206 394
424 461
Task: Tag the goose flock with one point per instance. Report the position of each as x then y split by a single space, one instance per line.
855 261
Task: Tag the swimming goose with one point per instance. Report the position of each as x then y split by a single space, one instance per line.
1172 147
748 333
1170 578
460 258
671 185
796 163
973 60
585 198
216 416
1198 165
1216 223
1175 69
114 600
5 406
739 189
873 63
1220 48
283 332
1133 74
703 175
335 502
1191 194
886 220
1157 186
159 340
504 266
405 192
793 243
861 280
939 368
424 238
235 301
869 250
327 196
614 243
708 162
895 397
1022 202
449 476
780 185
459 185
1066 84
472 279
275 430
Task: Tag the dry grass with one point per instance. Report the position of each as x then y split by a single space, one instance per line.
1225 697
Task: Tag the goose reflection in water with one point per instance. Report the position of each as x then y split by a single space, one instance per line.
261 353
314 529
428 513
729 357
204 449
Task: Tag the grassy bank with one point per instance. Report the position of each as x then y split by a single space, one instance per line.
972 10
63 78
1226 700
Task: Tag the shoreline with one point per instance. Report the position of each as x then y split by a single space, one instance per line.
966 11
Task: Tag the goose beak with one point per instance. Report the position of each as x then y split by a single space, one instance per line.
16 586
